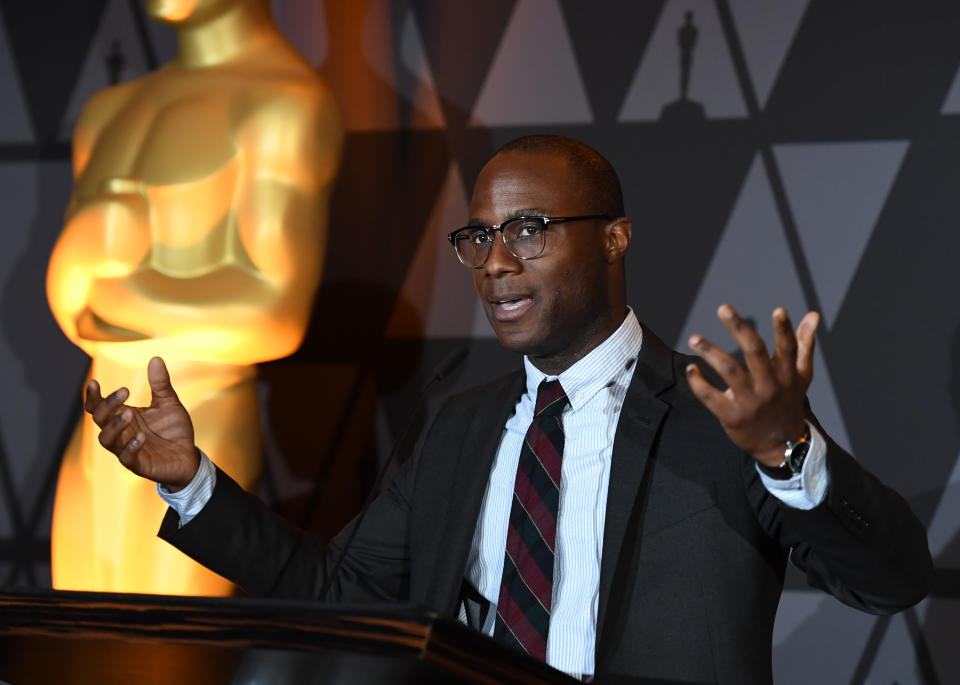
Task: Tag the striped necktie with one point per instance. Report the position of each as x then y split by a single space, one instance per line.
526 590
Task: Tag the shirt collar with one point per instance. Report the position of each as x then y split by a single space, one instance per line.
598 368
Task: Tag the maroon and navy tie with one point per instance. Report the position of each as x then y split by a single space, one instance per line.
526 591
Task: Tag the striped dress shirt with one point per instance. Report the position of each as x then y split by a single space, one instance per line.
596 386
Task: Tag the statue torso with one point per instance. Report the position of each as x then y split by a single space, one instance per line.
169 158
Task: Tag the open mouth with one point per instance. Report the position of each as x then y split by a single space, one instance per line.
510 308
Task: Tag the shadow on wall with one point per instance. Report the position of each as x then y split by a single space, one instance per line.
321 410
45 391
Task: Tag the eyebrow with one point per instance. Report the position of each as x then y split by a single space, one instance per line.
529 211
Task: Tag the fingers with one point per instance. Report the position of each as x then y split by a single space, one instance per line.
119 434
128 455
160 386
754 349
806 337
92 397
729 369
713 398
785 355
793 354
112 431
103 410
122 437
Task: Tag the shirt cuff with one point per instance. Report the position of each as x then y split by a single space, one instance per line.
190 500
807 489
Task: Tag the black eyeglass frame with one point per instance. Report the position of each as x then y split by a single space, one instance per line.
544 221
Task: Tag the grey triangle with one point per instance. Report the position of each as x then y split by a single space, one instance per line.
951 105
813 623
752 270
766 31
394 62
823 399
943 526
713 81
117 24
534 77
15 125
895 660
412 53
437 287
421 89
305 26
795 608
399 58
836 192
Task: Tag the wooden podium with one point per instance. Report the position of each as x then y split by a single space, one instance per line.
79 637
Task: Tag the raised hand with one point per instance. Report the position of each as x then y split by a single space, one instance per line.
763 405
154 442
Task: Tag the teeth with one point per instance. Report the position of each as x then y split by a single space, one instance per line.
510 305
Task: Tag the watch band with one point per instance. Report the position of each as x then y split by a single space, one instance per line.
793 457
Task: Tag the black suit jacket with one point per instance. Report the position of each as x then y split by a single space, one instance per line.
694 547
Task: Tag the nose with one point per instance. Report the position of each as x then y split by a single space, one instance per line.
500 260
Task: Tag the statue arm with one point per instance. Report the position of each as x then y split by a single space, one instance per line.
256 306
90 245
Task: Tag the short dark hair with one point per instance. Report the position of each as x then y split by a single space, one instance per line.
601 184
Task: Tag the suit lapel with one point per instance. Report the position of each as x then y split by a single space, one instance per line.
637 429
478 449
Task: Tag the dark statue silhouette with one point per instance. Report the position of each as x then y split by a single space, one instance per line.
684 109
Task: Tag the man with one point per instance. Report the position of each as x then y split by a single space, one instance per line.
632 519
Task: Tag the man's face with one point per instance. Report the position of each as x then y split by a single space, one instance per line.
554 308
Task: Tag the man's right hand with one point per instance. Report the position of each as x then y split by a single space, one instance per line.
154 442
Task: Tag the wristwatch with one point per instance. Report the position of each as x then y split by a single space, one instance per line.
793 458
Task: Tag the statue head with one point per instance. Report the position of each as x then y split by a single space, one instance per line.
185 12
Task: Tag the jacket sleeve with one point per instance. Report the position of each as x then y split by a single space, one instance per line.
862 544
237 536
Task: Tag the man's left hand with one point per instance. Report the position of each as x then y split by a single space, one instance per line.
763 405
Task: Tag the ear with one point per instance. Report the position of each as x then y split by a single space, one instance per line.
617 236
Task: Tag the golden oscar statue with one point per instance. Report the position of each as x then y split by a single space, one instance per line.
196 231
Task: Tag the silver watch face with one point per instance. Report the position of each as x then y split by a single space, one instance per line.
796 456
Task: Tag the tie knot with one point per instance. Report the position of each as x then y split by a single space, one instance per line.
551 399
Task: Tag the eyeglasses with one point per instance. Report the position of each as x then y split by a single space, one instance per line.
524 236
